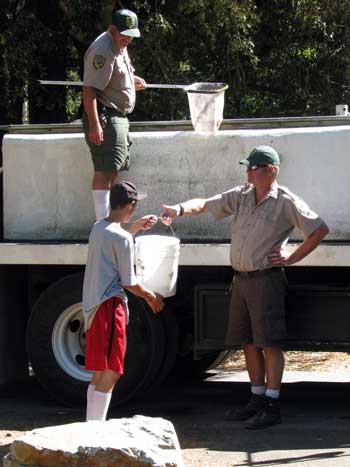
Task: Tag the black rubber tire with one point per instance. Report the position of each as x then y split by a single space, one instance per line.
160 348
185 366
171 332
46 311
145 348
141 355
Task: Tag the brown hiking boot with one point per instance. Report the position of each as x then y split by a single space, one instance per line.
255 405
267 416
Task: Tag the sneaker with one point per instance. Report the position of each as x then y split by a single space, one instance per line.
267 416
255 405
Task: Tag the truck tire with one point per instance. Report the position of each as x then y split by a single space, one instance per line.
171 332
144 353
56 342
185 366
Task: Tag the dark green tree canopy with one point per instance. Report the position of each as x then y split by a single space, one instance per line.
279 57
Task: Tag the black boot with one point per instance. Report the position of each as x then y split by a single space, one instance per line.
256 404
268 416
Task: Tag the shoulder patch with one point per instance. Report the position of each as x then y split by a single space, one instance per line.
99 61
300 205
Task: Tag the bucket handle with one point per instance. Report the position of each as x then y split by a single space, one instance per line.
141 232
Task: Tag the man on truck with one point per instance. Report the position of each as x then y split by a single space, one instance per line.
110 270
109 87
264 214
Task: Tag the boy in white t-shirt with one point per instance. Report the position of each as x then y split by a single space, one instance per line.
110 270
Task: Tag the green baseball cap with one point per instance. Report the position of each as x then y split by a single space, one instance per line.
126 22
261 155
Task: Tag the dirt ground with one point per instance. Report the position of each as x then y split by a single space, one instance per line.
300 361
28 408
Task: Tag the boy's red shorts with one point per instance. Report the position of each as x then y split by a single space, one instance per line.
105 340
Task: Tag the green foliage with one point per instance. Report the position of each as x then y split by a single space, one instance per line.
303 47
279 57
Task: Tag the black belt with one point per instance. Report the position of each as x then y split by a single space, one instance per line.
101 108
257 273
114 113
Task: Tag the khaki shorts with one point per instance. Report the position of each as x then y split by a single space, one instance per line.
113 154
257 309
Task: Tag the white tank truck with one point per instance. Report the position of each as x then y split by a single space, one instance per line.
48 213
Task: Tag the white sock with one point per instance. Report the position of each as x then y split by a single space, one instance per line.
273 393
101 203
90 398
100 405
258 390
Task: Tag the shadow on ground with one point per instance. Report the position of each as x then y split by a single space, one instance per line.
316 420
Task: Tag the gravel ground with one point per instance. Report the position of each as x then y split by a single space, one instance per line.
300 361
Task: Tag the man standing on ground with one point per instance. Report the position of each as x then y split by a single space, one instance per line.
263 216
109 270
109 96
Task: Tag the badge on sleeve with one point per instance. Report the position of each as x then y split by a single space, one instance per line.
99 61
303 208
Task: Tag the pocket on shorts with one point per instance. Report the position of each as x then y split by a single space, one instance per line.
120 150
279 282
275 322
275 318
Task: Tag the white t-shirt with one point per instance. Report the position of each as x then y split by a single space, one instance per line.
110 266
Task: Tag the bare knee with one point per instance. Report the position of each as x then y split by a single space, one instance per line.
106 380
273 352
103 180
250 349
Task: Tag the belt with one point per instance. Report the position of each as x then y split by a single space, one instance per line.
114 113
257 273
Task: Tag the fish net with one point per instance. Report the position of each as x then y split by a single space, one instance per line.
206 101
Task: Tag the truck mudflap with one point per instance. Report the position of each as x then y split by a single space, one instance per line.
317 317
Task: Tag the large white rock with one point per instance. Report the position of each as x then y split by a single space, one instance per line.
126 442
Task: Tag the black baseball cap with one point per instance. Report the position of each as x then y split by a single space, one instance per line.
126 22
123 193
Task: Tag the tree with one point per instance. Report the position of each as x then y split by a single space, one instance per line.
303 51
279 57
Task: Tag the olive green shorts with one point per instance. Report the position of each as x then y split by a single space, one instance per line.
113 154
257 310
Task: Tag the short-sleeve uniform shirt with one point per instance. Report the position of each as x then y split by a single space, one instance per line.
256 229
110 266
109 70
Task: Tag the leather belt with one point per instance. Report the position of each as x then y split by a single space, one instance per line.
103 109
114 113
258 272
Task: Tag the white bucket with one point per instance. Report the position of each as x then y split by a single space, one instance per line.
157 259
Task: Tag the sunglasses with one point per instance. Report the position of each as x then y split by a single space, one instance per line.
255 167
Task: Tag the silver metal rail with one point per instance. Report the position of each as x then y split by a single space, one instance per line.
186 125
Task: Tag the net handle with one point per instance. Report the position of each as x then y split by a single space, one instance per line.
195 87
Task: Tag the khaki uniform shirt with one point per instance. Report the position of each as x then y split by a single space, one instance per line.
256 229
109 70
